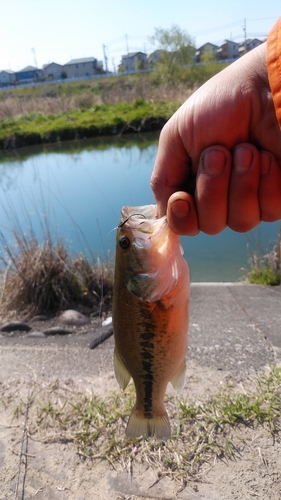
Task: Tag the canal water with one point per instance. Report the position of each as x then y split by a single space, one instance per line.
74 191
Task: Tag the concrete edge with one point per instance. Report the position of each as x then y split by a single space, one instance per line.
220 283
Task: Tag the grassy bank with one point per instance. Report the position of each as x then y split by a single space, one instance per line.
74 110
104 119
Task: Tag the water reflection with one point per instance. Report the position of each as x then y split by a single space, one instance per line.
75 190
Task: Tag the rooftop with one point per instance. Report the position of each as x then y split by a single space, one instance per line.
81 60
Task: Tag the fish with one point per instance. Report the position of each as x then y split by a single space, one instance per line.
150 316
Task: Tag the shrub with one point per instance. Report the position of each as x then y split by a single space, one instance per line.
44 279
266 269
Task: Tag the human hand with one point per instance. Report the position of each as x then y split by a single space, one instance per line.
226 140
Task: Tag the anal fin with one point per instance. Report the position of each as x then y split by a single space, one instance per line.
178 380
121 373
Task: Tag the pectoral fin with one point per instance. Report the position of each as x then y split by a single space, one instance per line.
178 380
121 373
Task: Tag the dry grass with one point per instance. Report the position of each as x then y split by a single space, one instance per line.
204 430
72 110
44 279
55 101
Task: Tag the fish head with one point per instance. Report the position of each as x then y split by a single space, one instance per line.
148 254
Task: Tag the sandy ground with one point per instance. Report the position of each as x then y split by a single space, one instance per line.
53 470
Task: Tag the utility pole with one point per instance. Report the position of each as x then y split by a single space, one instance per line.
35 61
113 64
127 46
105 58
245 34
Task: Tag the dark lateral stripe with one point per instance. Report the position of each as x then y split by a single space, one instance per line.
147 355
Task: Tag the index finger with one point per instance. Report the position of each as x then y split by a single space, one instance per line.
171 167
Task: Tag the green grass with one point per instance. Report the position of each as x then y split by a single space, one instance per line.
265 277
106 106
266 269
189 76
203 429
99 119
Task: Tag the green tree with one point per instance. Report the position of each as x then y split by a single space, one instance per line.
177 50
139 65
208 57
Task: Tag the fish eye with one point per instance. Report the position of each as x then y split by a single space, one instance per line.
124 243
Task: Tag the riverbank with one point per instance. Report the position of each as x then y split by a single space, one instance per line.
105 119
110 106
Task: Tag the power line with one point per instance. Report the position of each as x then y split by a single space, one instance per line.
211 30
263 18
116 40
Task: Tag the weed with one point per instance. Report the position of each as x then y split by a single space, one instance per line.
205 428
266 269
84 109
44 278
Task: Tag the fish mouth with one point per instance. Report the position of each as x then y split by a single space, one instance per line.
143 220
146 211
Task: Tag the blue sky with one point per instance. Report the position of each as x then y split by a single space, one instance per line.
60 30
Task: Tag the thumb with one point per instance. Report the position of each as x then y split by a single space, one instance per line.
182 214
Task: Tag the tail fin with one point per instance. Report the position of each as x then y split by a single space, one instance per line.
139 425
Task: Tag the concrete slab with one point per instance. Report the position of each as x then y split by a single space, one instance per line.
233 327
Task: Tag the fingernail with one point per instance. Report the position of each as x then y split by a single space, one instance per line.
213 162
242 158
265 163
180 208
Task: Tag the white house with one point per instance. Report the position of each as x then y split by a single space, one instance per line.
53 71
228 50
134 61
156 56
250 44
7 77
207 48
86 66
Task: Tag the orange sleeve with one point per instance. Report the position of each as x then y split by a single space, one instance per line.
273 59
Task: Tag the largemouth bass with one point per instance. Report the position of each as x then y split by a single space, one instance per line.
150 316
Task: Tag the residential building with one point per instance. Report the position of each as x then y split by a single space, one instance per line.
87 66
207 48
248 45
228 50
7 77
134 61
28 74
53 71
156 56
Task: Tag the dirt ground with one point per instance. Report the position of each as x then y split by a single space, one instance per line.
232 344
49 469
